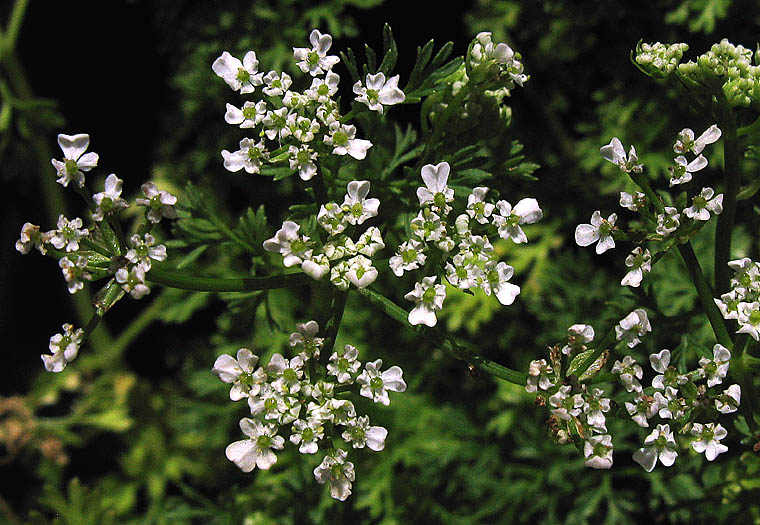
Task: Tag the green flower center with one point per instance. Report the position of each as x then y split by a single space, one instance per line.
439 199
249 113
340 138
243 75
372 95
297 246
323 90
754 318
290 375
264 442
254 154
428 295
302 157
71 166
376 383
270 404
312 58
307 434
700 202
409 255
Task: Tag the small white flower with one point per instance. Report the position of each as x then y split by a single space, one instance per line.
75 160
32 237
508 219
715 369
293 247
322 90
305 340
132 280
668 222
302 128
632 327
594 407
68 234
428 226
682 171
144 249
302 159
74 272
410 256
315 61
661 445
630 373
729 303
496 277
729 400
668 375
599 230
356 206
615 153
370 242
703 204
240 373
361 273
342 137
64 348
640 262
477 207
345 364
436 192
644 408
306 434
748 316
671 405
360 434
379 92
339 275
109 201
686 140
565 406
249 116
248 454
276 84
708 439
632 201
429 298
375 384
285 374
332 218
538 376
598 452
577 337
317 266
338 472
159 203
240 76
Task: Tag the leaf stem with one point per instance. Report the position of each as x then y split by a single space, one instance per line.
725 224
159 274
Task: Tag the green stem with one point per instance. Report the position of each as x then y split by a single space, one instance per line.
455 347
8 44
337 307
159 274
740 372
725 224
706 297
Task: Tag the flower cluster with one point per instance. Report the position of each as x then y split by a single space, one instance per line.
97 251
306 399
347 261
475 264
292 126
742 302
485 55
660 59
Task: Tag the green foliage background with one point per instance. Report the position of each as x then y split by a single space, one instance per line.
134 431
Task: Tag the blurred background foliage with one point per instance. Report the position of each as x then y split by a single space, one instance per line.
134 431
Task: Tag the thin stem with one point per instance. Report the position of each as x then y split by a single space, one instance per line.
455 347
12 29
725 224
174 279
740 372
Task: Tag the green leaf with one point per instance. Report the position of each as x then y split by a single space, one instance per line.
391 51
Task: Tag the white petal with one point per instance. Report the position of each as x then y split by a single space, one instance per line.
586 234
243 454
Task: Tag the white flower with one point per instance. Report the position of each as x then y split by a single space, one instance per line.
375 384
109 201
598 452
565 406
317 266
293 247
159 203
342 137
632 201
249 116
315 61
345 364
361 273
322 90
477 208
508 219
240 76
332 218
285 374
729 400
715 369
671 406
360 434
275 124
668 222
703 204
356 206
379 92
132 280
74 272
339 275
306 434
249 157
496 277
409 256
302 159
32 237
599 230
429 298
577 337
681 172
370 242
615 153
276 83
428 226
538 376
668 376
630 373
639 261
240 372
248 454
436 191
708 439
75 160
338 472
68 234
64 348
476 249
662 446
644 408
461 273
305 340
748 317
302 128
632 327
594 407
144 249
729 303
686 140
